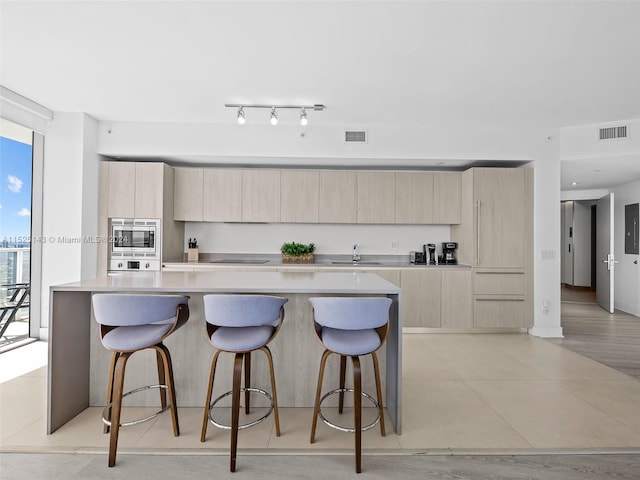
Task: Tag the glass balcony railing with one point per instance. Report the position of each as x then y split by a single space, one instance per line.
15 289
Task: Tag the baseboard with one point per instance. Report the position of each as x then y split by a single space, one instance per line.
546 332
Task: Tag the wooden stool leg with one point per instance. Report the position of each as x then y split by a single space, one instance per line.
247 381
116 408
376 369
205 419
163 352
161 379
112 369
357 410
235 408
266 350
343 371
316 405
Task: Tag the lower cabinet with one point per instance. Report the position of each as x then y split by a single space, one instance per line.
500 298
421 297
457 292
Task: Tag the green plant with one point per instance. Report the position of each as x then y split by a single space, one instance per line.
296 249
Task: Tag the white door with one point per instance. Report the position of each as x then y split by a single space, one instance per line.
605 260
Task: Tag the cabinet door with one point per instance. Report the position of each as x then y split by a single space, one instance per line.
376 197
188 194
149 190
447 197
500 217
421 297
456 299
414 197
121 191
299 190
222 196
338 197
261 195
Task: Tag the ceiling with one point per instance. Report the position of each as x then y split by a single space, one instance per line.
523 64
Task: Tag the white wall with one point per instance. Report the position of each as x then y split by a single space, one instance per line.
70 199
627 273
566 247
328 239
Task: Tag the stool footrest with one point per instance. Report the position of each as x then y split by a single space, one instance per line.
107 422
340 427
246 425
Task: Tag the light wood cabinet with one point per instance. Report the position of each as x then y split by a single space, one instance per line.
261 195
447 198
188 200
149 190
338 199
496 238
376 197
121 189
222 195
457 294
414 197
421 297
299 196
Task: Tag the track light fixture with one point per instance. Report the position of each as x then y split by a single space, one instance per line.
273 118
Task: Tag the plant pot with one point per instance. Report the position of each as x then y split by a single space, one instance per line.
304 258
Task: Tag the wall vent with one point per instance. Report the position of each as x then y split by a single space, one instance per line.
611 133
353 136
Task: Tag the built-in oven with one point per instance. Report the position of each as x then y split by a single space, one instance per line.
134 244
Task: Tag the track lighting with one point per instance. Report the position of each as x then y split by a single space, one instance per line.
273 118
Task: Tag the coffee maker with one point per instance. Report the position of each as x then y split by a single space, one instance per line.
449 253
430 254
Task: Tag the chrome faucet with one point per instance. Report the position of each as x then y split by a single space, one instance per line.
354 256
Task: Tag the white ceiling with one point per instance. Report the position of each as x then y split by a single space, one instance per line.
530 64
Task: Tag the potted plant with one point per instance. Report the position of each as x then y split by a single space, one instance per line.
297 252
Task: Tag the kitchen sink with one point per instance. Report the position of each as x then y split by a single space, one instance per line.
355 263
240 260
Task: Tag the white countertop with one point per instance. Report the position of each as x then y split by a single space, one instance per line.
230 281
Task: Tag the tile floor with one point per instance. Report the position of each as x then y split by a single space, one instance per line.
476 393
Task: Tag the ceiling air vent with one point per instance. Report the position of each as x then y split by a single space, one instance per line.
353 136
611 133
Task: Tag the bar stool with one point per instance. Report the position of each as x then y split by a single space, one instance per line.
350 327
130 323
240 324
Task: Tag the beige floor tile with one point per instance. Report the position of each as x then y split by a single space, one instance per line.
83 431
549 416
446 414
419 361
486 362
295 426
23 400
558 363
620 399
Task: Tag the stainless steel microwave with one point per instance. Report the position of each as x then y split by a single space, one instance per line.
134 244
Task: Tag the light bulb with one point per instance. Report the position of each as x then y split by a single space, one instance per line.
274 117
303 118
241 119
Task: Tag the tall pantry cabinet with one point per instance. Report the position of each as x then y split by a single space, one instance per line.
496 239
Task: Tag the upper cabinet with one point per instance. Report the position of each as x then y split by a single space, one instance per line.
135 189
299 196
376 197
447 198
414 197
189 196
338 199
222 195
261 195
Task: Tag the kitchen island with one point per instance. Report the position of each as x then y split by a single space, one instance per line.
78 363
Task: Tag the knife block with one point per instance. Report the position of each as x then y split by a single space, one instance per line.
193 254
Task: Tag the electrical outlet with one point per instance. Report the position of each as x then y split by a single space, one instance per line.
395 245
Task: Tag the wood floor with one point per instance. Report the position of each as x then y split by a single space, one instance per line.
611 339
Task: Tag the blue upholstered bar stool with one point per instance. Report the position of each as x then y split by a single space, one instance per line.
240 324
350 327
130 323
